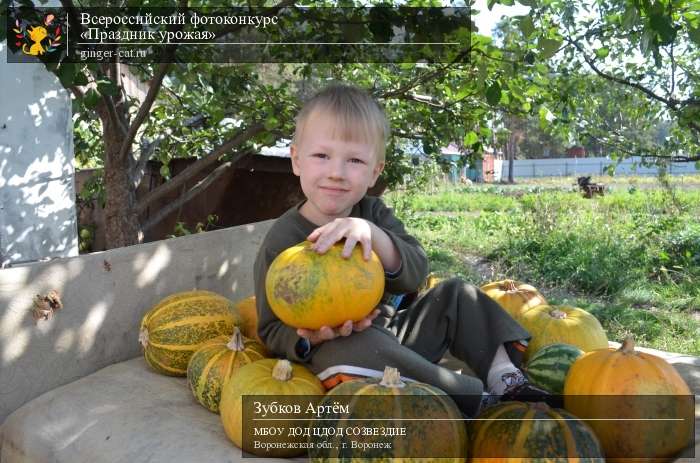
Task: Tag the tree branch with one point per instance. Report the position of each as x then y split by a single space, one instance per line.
145 107
144 110
77 91
140 166
198 166
670 102
427 76
194 191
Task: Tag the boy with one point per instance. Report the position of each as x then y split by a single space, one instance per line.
338 153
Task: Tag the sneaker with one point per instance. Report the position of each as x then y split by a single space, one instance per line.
526 392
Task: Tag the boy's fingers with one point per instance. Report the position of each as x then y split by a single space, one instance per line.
367 250
348 247
346 328
313 236
326 333
361 325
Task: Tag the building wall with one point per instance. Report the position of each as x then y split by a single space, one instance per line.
104 296
37 195
528 168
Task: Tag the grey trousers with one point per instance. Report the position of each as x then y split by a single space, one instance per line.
453 315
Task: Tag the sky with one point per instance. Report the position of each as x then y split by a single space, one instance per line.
486 20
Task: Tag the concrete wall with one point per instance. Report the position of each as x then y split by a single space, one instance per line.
528 168
37 198
104 297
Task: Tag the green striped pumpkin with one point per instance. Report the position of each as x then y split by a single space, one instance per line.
518 431
374 402
549 366
179 324
216 361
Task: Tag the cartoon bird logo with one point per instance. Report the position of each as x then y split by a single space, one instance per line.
31 39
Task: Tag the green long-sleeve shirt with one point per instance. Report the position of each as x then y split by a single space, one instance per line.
292 228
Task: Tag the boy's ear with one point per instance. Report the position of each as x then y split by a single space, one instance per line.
295 159
378 168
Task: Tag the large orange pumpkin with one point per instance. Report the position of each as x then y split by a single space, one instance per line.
637 404
310 290
562 324
514 296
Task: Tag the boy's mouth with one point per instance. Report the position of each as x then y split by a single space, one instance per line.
333 190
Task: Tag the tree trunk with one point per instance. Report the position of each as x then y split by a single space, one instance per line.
510 151
510 166
121 220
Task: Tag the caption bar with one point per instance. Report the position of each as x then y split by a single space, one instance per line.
395 426
235 35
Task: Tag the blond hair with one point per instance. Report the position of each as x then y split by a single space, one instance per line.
357 115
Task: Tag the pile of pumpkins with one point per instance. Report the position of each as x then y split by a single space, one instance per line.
635 403
212 341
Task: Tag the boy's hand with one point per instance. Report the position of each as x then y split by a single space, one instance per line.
326 333
353 229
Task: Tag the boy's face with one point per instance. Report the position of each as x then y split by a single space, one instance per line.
334 174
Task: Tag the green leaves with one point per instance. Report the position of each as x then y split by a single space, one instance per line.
694 35
546 117
91 99
493 93
662 24
602 52
548 47
527 27
471 138
107 87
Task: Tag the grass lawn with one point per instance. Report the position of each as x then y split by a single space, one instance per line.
631 257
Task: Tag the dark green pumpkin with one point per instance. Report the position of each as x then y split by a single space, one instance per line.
531 430
433 422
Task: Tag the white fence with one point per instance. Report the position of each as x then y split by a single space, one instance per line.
528 168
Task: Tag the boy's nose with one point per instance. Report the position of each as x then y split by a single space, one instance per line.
337 170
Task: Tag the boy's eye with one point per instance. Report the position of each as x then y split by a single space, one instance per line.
357 161
320 155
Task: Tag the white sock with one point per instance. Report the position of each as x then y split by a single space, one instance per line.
502 372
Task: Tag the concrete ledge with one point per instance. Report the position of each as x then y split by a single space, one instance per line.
123 413
104 296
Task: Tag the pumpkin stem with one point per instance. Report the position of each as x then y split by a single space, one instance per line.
282 371
143 337
236 342
627 345
392 378
556 313
510 285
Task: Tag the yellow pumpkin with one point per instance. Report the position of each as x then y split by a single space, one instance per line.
216 362
562 324
514 296
430 282
249 318
268 377
648 406
180 324
310 290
